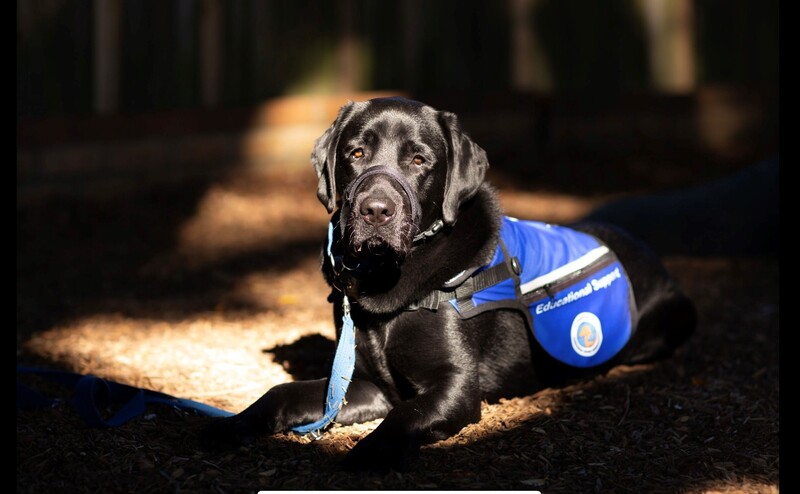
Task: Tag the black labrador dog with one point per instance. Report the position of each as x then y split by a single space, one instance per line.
415 233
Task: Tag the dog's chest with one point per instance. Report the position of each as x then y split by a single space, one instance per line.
402 355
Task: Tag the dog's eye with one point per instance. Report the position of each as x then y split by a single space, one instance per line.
419 160
357 154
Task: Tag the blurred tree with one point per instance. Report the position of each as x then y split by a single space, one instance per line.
78 56
670 37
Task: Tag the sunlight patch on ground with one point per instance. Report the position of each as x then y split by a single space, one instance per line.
210 358
544 206
745 488
300 289
268 213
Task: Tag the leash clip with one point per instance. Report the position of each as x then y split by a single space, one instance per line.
346 306
432 230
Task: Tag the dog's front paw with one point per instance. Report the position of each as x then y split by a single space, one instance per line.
227 433
382 450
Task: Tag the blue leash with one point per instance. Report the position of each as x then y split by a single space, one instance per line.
92 392
344 362
341 374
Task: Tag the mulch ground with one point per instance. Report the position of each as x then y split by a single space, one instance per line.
212 292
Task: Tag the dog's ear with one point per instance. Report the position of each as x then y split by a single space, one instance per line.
466 167
323 158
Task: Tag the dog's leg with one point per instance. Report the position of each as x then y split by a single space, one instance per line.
292 404
441 411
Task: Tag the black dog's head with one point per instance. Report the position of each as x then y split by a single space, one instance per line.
393 167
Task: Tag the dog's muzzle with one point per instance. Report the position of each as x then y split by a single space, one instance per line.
352 189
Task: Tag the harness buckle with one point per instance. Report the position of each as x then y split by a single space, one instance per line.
515 266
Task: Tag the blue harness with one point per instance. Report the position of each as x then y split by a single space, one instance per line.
571 288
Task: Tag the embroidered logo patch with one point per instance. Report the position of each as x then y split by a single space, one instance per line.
586 334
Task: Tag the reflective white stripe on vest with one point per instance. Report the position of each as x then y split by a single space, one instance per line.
564 270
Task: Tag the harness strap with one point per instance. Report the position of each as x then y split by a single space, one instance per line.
462 294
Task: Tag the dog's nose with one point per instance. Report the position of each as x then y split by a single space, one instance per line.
377 210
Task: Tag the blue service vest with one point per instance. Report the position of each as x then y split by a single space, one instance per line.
571 288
